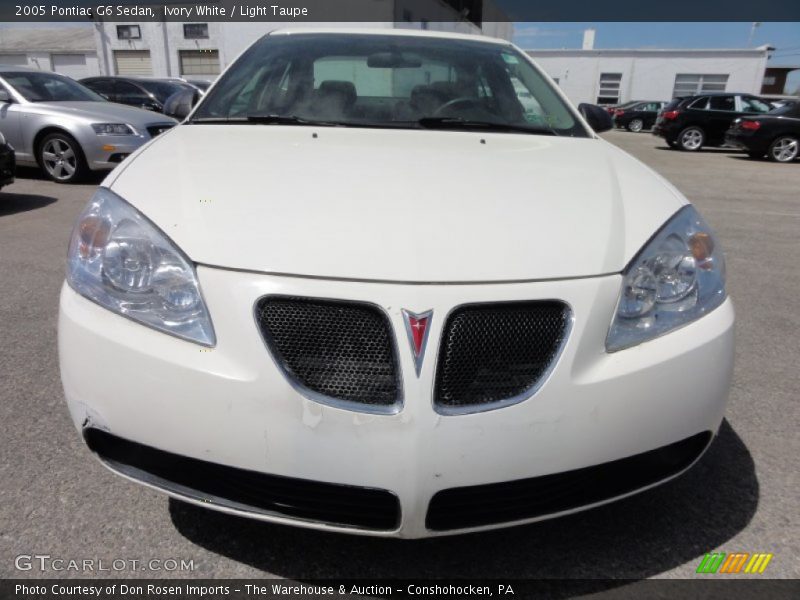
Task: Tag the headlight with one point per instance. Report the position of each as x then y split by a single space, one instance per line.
678 277
113 129
123 262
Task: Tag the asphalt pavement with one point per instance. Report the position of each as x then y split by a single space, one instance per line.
55 499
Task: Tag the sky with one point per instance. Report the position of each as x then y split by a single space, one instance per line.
784 37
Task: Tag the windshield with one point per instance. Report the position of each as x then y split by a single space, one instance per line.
49 87
790 109
388 81
161 89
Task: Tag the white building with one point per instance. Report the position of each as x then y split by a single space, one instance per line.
67 50
203 49
615 76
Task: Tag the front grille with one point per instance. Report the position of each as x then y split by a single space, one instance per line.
155 130
352 506
334 351
492 354
459 508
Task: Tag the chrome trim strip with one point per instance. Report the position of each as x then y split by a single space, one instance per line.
373 409
399 281
527 394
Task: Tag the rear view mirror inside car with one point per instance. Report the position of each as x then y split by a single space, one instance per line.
393 60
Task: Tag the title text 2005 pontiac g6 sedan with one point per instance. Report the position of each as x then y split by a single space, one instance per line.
394 299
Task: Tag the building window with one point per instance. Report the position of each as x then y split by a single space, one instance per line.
129 32
770 80
195 31
199 62
690 85
609 88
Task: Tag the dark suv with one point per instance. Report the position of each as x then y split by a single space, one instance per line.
638 116
691 122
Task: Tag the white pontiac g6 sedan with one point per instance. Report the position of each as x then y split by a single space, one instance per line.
393 284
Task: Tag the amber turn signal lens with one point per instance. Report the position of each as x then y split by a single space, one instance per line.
702 246
94 234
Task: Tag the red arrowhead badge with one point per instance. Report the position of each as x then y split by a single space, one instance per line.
417 327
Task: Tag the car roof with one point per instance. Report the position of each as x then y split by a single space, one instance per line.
391 32
133 78
705 94
18 69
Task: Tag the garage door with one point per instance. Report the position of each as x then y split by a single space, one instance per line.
199 63
18 60
133 62
71 65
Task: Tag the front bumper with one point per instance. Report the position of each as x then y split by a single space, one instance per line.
744 140
104 152
230 405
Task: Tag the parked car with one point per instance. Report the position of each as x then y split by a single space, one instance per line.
64 128
370 315
8 164
201 84
776 134
777 101
612 108
691 122
639 116
141 92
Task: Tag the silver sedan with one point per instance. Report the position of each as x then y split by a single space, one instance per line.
66 129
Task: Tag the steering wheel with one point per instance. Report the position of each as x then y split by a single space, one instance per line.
459 104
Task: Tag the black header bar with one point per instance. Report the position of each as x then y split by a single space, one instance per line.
413 11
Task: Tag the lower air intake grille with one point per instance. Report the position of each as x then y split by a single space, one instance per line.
352 506
342 351
473 506
492 354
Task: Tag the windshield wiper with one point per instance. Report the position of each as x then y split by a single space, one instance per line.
263 120
459 123
286 120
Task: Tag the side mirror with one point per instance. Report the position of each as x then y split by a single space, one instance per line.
597 117
5 97
180 104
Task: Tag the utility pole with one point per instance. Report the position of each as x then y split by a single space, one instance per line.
756 25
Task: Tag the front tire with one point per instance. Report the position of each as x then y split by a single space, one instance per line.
691 139
61 158
784 149
635 125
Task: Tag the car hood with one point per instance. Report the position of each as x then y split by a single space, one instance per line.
108 111
397 205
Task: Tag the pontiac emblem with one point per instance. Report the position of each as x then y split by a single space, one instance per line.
417 328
